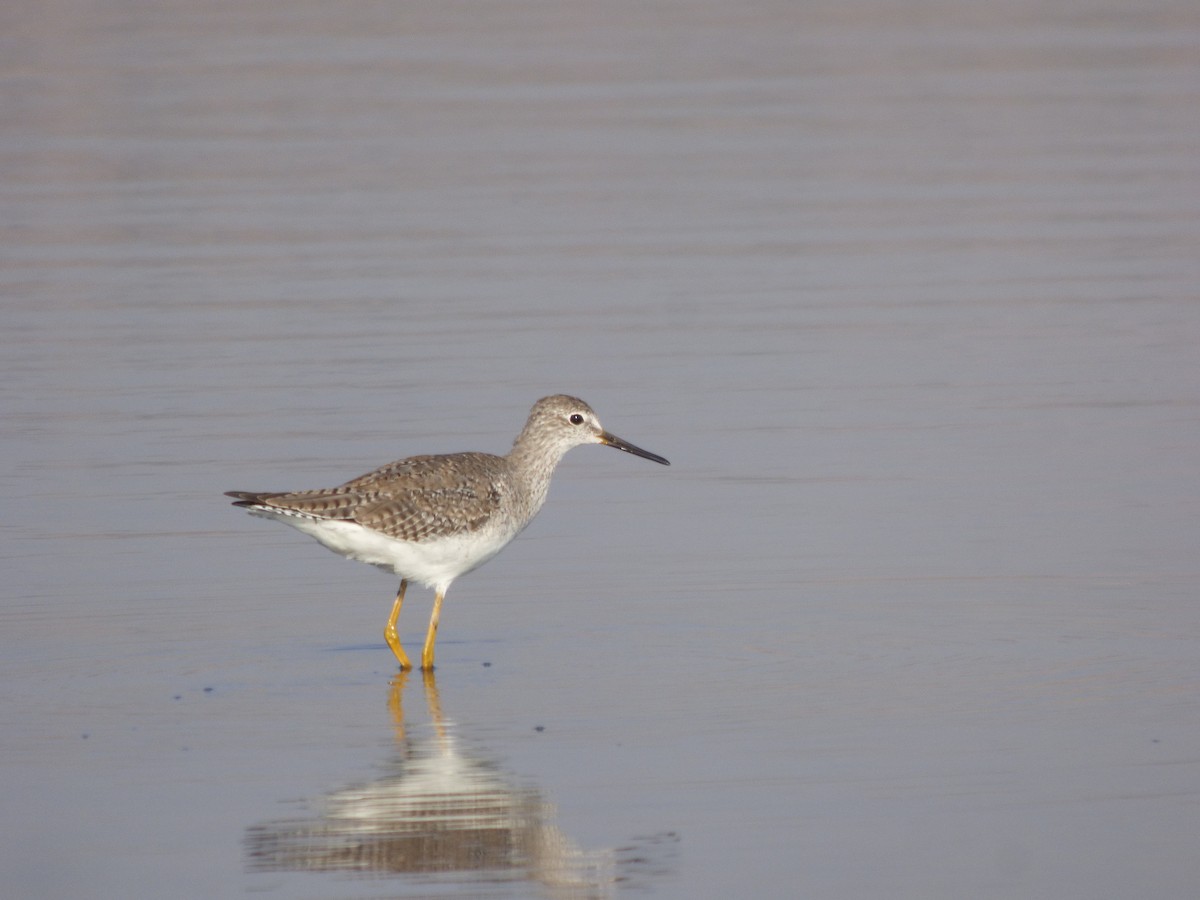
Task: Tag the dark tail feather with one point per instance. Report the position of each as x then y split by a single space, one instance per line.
249 498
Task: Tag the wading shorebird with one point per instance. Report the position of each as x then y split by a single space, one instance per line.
430 519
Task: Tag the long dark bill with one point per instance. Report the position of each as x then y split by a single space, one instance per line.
613 441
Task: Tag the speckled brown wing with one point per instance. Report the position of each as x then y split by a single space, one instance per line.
430 496
412 499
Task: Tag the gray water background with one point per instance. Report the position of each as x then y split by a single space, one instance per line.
909 293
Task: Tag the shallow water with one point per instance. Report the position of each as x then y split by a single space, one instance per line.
906 292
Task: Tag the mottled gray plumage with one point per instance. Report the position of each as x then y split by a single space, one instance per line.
411 499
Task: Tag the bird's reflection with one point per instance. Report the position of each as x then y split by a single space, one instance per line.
442 812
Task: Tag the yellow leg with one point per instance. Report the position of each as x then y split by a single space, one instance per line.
389 632
427 653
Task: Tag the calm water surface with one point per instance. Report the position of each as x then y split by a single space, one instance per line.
908 294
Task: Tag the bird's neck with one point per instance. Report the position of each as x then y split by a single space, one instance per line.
534 458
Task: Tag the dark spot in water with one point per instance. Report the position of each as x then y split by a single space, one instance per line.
539 728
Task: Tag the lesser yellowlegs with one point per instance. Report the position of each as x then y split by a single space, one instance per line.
430 519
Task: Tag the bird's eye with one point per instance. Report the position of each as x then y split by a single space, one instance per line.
576 419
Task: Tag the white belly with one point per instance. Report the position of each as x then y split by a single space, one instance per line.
433 563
